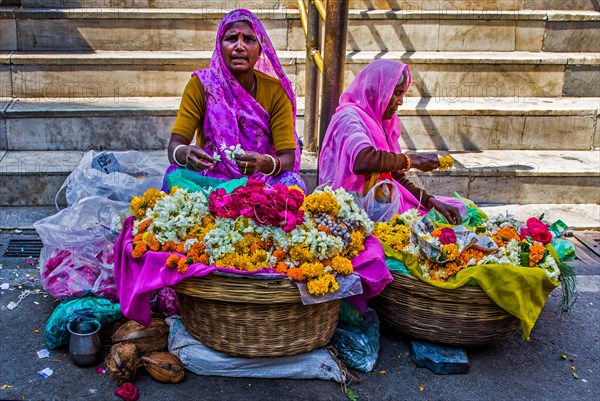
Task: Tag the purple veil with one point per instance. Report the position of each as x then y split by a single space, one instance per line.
232 115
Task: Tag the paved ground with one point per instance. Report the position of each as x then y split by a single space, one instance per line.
512 370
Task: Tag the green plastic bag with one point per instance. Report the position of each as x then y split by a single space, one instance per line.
56 333
564 249
357 338
474 217
192 181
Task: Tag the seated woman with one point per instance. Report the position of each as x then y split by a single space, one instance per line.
234 102
361 142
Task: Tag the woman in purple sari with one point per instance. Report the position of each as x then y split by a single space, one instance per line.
244 98
361 143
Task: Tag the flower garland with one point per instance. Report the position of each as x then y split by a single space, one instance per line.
308 238
444 251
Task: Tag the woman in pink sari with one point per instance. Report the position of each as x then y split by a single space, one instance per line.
244 98
361 144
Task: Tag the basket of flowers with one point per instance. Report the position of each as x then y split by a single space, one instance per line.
276 260
470 286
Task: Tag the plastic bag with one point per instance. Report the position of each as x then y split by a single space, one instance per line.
56 333
200 359
191 181
77 257
357 341
116 175
382 201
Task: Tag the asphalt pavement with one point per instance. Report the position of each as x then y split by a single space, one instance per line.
561 362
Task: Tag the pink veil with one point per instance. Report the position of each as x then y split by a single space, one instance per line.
358 123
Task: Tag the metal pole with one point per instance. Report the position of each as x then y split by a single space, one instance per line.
336 31
311 98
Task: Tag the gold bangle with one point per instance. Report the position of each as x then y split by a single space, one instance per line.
408 163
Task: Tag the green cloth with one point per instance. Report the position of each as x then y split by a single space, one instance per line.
521 291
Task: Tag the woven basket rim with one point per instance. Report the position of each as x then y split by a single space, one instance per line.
242 289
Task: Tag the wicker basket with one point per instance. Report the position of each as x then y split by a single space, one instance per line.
464 316
253 317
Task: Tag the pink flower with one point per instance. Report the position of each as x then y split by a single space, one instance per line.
537 230
447 236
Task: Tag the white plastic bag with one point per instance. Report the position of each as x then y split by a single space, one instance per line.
78 257
114 175
382 202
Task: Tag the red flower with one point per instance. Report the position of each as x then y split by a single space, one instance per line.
448 236
537 230
128 392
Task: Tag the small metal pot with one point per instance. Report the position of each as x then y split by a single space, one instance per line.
84 344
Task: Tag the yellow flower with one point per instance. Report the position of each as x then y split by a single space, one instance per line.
311 270
446 162
450 251
396 236
342 265
323 285
322 202
172 261
300 253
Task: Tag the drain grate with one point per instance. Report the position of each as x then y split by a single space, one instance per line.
23 248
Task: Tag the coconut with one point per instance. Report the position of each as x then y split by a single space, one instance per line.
122 362
146 339
164 367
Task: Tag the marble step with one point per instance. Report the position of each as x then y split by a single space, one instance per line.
428 123
377 30
32 178
576 216
491 5
435 74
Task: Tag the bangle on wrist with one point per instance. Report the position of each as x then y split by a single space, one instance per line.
274 164
175 156
408 163
280 165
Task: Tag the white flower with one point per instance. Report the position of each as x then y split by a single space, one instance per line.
232 152
550 267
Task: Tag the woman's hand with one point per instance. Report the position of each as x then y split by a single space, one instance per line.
252 162
424 161
196 159
451 213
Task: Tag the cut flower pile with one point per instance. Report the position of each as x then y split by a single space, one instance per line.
309 238
444 250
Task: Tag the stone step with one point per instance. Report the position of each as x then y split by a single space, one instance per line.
376 30
576 216
428 123
435 74
449 5
32 178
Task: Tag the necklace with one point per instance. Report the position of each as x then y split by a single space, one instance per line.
253 84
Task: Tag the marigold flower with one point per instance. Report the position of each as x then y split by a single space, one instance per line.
296 274
182 265
505 235
342 265
180 248
139 249
323 285
204 259
300 253
143 226
469 254
281 267
446 162
172 261
138 237
153 243
311 270
536 254
321 202
170 246
279 254
450 251
356 246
